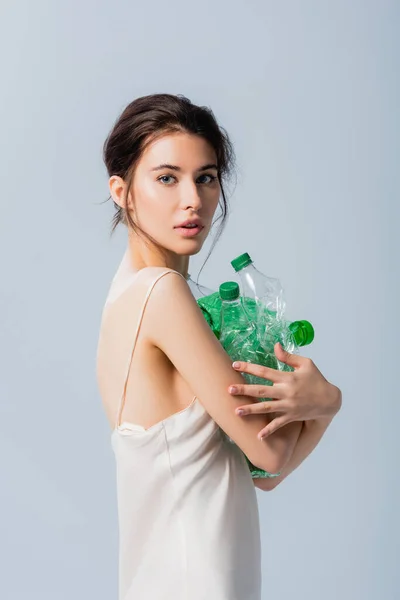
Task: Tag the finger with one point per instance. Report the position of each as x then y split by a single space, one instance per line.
260 371
293 360
261 408
273 427
257 391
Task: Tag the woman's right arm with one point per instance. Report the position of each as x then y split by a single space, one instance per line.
175 325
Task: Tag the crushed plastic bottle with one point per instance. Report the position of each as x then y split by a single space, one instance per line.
268 309
267 292
291 335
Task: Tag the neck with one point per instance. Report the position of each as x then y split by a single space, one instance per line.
140 256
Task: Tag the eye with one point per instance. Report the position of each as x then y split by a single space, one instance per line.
211 178
169 179
163 177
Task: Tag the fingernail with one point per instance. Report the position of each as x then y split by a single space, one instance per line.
235 365
233 389
240 412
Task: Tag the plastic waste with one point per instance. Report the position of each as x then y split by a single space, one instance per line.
267 292
238 336
268 308
292 336
249 326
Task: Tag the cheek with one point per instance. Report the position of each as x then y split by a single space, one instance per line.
213 200
150 193
154 213
150 203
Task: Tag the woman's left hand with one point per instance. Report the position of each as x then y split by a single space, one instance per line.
300 395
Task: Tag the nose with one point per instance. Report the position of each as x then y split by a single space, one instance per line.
191 197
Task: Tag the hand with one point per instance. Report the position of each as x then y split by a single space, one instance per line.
301 395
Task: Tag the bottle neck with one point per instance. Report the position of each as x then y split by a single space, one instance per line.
247 269
235 303
233 311
229 306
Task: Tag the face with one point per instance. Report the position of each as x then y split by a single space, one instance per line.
175 181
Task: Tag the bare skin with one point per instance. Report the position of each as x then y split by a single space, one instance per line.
303 395
166 197
158 201
161 199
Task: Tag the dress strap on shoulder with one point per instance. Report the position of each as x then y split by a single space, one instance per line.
130 357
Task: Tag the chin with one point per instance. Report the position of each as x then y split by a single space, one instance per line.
188 249
189 246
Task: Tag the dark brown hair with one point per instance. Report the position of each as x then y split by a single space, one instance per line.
153 116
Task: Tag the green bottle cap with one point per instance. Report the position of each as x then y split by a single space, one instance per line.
303 332
242 261
229 290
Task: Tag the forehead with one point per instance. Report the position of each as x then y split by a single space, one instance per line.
188 151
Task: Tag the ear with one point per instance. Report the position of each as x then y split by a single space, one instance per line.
117 188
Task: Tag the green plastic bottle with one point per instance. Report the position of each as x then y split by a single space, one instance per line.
249 333
292 336
238 336
234 322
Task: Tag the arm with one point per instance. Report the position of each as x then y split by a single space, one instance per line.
175 325
310 436
288 436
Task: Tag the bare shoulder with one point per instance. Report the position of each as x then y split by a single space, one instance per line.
148 280
171 280
123 320
172 303
175 325
169 291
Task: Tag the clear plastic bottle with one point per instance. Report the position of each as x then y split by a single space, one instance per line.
198 291
266 305
267 292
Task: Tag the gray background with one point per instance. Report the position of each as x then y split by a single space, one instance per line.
309 93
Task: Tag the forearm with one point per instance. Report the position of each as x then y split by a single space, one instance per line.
310 436
311 433
283 441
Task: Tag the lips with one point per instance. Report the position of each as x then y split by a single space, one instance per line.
194 221
189 231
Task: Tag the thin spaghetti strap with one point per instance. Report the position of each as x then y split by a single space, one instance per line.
123 397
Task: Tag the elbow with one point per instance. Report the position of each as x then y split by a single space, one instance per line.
273 460
274 457
272 465
266 484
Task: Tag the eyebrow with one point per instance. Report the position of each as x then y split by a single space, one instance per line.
176 168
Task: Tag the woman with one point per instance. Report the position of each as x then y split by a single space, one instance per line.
187 507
